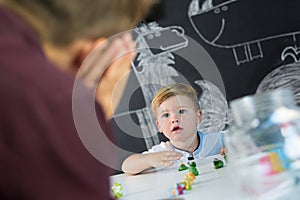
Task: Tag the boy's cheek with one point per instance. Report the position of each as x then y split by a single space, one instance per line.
160 127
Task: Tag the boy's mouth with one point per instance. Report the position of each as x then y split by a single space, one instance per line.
176 128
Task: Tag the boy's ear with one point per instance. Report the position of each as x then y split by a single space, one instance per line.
199 115
158 126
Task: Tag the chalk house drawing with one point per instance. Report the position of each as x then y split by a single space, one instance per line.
286 76
226 24
154 69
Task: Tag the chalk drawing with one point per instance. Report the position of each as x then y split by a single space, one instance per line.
215 110
286 76
243 25
291 52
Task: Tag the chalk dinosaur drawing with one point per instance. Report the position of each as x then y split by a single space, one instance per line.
286 76
155 59
233 24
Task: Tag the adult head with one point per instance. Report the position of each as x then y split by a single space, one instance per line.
67 29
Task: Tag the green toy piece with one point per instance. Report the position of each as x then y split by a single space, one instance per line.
117 190
182 167
225 157
218 163
193 168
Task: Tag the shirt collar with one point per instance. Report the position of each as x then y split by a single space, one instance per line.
196 152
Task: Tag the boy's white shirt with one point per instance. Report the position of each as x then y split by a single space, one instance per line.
210 144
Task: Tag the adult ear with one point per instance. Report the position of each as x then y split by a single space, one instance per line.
86 47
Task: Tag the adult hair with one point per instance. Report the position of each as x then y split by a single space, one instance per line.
62 22
173 90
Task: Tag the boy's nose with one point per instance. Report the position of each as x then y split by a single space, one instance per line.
175 121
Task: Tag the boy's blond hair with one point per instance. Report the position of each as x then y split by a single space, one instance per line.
173 90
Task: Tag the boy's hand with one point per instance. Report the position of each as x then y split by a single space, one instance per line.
223 151
162 159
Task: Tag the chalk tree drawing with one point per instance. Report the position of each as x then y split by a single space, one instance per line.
233 24
286 76
155 47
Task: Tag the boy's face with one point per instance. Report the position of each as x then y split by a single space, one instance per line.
177 118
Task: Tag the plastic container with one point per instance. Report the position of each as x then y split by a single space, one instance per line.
264 142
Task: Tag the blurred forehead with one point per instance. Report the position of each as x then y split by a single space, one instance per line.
175 102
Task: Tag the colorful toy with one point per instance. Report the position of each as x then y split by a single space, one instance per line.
188 180
182 167
117 190
218 163
193 168
183 186
180 189
187 185
191 176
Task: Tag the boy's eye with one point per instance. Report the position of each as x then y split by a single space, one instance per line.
181 111
166 115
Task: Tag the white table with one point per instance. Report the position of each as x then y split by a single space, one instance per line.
210 184
221 184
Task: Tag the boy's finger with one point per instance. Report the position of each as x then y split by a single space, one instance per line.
223 151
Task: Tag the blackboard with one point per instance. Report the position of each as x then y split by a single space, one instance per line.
224 48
